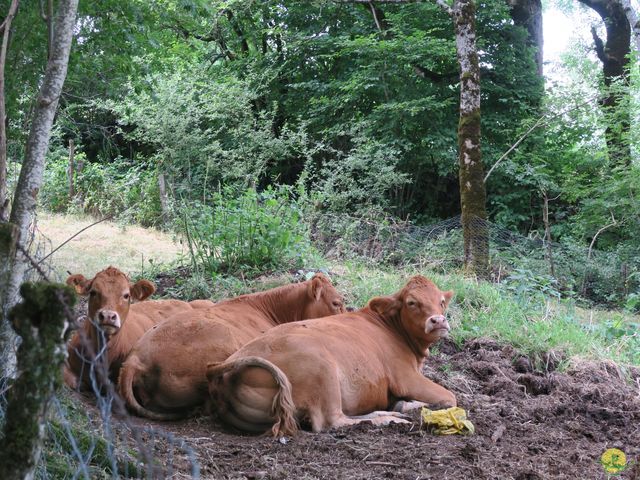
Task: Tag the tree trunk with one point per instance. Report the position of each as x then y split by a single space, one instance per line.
71 170
30 179
40 321
471 176
614 55
528 14
8 242
6 31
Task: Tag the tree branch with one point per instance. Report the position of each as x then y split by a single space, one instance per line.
540 122
599 45
445 6
595 237
244 45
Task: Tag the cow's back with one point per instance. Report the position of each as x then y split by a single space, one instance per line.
362 353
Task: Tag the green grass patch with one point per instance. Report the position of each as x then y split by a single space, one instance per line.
531 322
72 436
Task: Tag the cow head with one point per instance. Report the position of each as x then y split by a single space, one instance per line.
110 295
419 307
324 299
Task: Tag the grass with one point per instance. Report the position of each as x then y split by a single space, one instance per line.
130 248
533 324
73 439
529 321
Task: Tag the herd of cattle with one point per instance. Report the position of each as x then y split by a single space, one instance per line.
272 360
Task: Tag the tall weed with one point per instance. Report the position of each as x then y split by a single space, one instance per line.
249 231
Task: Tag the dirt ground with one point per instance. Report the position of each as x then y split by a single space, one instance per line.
529 425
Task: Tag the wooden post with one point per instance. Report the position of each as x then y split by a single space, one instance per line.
71 170
40 320
625 279
162 188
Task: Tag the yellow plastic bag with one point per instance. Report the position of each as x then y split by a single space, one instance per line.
448 421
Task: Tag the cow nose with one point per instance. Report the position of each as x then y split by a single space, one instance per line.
438 320
108 317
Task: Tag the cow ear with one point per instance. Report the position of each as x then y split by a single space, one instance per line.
386 306
142 289
79 283
316 285
447 297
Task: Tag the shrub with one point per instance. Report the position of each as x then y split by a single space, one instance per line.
121 188
249 231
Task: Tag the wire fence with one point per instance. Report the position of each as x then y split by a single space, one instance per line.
568 270
95 437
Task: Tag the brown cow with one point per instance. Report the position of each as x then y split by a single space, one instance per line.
336 371
165 375
120 323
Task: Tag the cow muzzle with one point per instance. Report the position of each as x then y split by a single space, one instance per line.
437 323
109 321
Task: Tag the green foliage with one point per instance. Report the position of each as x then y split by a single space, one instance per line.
203 133
121 188
246 230
359 180
528 286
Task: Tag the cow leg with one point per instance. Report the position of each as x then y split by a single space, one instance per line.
379 417
424 390
318 395
404 406
378 413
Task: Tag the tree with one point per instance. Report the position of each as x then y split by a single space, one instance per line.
471 175
528 14
15 233
634 22
5 29
471 169
614 55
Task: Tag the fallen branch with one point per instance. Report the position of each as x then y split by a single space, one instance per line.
72 237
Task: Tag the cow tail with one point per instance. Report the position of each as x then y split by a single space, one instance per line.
282 407
125 387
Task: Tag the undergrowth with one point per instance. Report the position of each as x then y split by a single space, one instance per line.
532 323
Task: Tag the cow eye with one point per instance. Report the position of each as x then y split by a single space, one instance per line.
411 303
126 296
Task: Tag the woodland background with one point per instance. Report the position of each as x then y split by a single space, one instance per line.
274 138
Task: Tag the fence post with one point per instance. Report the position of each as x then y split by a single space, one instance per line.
71 170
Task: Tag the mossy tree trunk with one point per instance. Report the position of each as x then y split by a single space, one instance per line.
8 244
40 320
30 180
471 174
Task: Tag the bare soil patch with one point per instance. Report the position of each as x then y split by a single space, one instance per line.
529 425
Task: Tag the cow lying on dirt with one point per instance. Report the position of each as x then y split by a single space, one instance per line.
120 323
165 375
336 371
